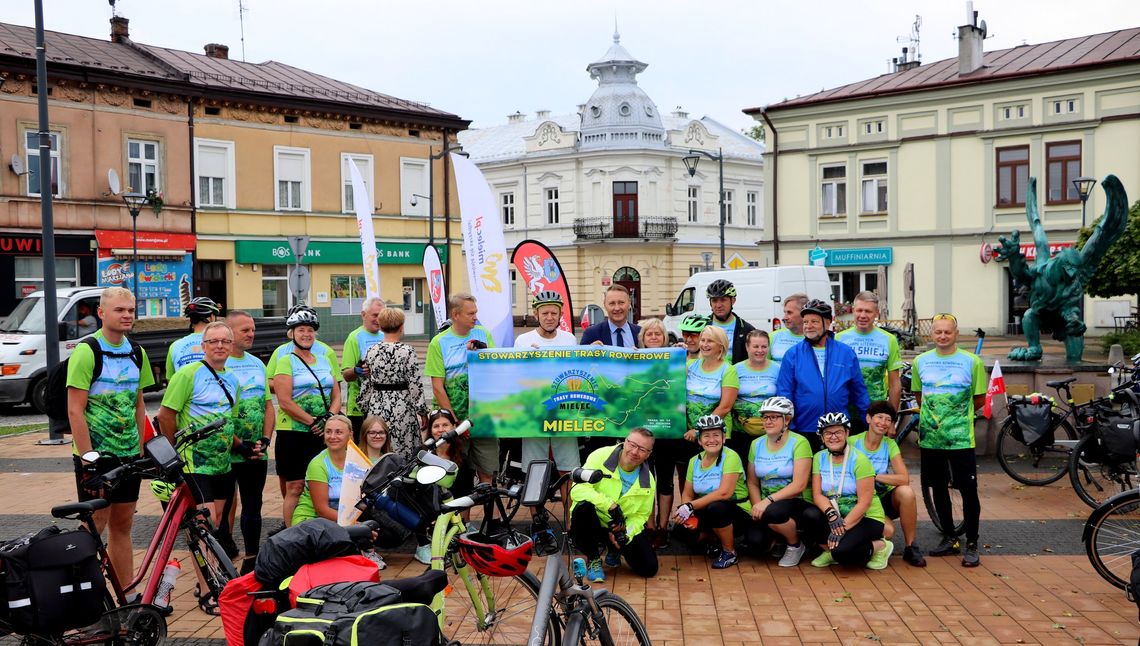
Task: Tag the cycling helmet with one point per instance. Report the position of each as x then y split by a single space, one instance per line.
710 422
781 405
720 287
546 297
202 308
300 307
303 317
445 326
694 323
833 419
816 306
506 554
162 489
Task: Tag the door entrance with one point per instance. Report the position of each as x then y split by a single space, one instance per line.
629 278
413 305
210 280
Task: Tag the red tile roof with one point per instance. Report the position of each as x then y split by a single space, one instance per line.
1113 47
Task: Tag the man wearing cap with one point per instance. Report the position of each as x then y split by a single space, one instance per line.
821 375
722 297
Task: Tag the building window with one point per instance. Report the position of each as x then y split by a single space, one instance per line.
142 165
874 187
414 181
625 208
275 296
873 128
348 294
508 204
694 202
1063 165
291 173
214 163
1065 106
552 206
1012 175
833 191
832 132
752 199
846 284
364 165
1011 112
29 272
32 157
728 200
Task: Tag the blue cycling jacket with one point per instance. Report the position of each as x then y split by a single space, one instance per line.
801 382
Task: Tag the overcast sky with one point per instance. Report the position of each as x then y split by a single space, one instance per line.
484 59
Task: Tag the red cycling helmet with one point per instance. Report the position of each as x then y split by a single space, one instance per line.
506 554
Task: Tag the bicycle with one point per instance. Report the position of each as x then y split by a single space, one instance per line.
907 424
139 622
483 609
586 615
1095 471
1111 535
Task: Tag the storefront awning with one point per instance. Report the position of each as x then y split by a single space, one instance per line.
169 244
148 253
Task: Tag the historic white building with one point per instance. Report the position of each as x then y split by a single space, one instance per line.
608 190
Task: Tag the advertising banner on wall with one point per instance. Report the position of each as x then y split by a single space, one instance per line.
582 391
543 272
162 282
486 251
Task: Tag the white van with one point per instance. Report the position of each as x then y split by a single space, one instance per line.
760 293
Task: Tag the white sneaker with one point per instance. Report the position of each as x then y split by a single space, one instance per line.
371 555
423 554
792 555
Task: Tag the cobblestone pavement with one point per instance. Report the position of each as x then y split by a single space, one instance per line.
1034 586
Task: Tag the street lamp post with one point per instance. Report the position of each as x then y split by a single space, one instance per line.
432 157
135 202
1084 186
691 160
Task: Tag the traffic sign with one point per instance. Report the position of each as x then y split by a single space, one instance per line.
299 244
299 282
736 261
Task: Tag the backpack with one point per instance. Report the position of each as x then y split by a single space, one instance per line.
56 394
355 613
52 582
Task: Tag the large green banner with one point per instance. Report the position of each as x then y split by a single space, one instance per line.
576 391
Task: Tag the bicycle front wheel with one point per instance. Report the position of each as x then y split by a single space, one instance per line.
211 559
494 610
1035 465
1096 479
619 625
956 510
1112 534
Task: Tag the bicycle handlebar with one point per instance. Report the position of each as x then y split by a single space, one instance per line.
144 463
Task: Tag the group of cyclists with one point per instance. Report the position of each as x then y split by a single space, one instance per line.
784 450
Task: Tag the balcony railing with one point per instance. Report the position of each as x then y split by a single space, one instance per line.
658 228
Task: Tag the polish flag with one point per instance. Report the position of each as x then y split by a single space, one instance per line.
997 387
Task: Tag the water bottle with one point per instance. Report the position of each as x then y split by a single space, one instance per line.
398 511
166 585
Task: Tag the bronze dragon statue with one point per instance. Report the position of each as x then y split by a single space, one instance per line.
1057 284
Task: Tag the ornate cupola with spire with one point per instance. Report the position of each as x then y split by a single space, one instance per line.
619 114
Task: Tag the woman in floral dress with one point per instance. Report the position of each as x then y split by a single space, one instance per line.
393 387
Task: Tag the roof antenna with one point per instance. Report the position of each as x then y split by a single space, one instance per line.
114 12
913 39
241 22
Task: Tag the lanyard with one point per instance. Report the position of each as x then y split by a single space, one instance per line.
837 491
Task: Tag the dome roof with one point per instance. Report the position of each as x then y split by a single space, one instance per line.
619 114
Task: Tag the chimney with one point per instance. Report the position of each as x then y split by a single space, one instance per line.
970 37
680 114
215 50
517 117
120 31
542 114
905 63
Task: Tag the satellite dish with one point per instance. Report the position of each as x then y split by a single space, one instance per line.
982 26
17 165
113 181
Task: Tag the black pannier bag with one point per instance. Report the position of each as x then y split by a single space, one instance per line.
1035 422
1119 436
53 582
355 613
402 508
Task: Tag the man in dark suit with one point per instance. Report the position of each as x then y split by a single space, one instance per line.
616 329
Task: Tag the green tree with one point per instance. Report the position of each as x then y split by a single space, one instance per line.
1119 271
756 132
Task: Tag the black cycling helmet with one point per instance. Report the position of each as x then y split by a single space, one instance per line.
201 309
833 419
720 287
445 326
300 307
546 297
303 317
819 307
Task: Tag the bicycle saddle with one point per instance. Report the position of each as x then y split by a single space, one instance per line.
1057 383
89 507
420 589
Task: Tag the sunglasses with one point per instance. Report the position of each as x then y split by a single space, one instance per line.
945 317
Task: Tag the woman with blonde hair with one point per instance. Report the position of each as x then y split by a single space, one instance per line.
653 334
394 387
